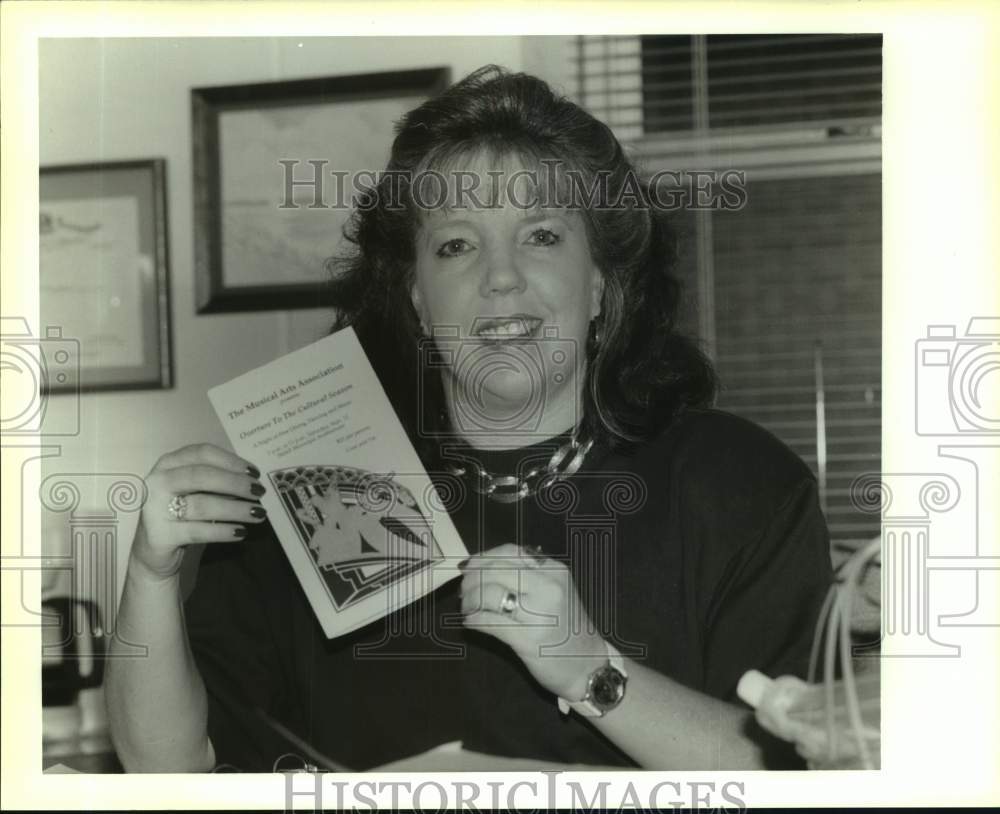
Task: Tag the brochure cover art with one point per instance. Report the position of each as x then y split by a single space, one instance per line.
363 530
346 493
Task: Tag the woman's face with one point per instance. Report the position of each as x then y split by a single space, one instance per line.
509 293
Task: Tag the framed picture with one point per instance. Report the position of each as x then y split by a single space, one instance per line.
103 274
275 169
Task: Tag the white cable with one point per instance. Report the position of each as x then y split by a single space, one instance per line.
839 632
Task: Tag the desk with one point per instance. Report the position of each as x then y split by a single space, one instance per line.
91 754
83 762
449 757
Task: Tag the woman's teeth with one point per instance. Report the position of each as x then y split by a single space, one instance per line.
505 330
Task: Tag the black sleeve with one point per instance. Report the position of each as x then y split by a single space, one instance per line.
763 612
756 545
240 652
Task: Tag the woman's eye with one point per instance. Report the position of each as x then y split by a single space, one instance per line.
543 237
453 248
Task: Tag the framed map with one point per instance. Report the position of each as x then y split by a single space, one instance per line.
276 167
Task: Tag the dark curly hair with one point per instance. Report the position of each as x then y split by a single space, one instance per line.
641 374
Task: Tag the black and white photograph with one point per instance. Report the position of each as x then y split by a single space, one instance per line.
620 471
692 224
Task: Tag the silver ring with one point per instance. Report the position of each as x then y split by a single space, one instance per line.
178 507
508 604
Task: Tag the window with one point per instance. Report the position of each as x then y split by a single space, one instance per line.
785 293
761 79
648 85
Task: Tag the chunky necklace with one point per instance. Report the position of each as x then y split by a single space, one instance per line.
510 488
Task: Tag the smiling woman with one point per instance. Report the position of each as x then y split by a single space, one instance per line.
634 552
530 198
499 280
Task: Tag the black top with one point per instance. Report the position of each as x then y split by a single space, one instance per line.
702 555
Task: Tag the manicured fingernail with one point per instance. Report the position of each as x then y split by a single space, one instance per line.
258 511
240 532
253 471
257 489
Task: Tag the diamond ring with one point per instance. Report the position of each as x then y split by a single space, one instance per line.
508 604
178 507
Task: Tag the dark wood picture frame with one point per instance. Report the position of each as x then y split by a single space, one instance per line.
79 215
214 293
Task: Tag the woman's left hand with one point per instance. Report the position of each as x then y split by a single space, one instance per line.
548 627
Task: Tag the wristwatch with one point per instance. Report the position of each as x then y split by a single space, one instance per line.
605 689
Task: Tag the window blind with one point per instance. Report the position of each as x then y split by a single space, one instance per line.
786 292
648 85
797 312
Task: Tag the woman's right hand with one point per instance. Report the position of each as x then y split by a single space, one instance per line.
221 492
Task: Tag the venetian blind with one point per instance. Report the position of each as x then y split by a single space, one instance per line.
785 292
647 85
797 323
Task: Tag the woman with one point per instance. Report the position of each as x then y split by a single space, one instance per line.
633 551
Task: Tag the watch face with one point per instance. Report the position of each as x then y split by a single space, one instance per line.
608 687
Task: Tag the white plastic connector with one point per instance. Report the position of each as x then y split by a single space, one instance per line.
752 687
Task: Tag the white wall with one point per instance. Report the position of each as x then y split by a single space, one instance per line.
116 99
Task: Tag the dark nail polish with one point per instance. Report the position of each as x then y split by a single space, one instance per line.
258 511
257 489
253 471
240 532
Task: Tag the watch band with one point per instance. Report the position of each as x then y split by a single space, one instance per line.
585 706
